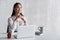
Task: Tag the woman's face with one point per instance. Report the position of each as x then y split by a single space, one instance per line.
18 9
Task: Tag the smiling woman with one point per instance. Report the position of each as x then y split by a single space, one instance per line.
17 19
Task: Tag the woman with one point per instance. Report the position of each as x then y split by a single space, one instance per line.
16 20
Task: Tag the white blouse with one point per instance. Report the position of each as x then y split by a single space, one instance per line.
13 27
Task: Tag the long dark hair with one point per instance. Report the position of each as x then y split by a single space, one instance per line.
13 13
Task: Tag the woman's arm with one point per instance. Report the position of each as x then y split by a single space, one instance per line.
12 25
10 21
24 20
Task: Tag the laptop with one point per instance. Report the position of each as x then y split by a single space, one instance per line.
27 31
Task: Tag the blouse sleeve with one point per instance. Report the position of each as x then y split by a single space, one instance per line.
11 24
10 21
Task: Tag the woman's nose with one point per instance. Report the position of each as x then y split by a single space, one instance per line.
17 9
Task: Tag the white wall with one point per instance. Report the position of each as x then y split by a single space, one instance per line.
54 16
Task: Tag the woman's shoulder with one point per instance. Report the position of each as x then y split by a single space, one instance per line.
11 17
